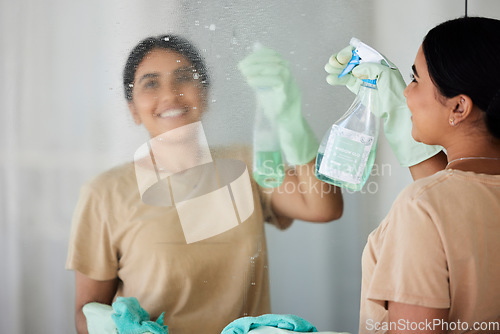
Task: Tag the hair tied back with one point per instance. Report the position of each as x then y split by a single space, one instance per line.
494 105
493 115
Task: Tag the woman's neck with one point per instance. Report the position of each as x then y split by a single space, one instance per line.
480 154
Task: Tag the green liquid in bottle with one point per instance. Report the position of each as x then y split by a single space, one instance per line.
268 169
347 152
347 185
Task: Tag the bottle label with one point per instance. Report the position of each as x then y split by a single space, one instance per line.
346 155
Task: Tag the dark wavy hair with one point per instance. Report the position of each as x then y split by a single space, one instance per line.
168 42
463 57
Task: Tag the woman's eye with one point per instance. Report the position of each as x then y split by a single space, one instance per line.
151 84
184 78
412 77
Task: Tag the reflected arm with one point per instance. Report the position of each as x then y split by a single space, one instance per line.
302 196
90 290
414 315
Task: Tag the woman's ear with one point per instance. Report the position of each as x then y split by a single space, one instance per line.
461 109
134 113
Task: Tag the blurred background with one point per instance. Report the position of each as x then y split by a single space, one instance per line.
63 119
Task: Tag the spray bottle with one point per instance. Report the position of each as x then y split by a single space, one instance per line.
347 152
268 169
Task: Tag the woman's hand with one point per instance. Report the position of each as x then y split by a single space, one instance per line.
392 104
270 76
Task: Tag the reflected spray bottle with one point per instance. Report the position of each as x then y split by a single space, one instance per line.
268 169
347 152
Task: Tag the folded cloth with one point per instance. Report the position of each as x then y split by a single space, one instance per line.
99 318
284 321
131 318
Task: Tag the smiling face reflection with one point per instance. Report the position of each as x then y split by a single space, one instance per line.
167 92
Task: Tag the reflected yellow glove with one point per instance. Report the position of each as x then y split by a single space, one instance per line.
392 104
270 76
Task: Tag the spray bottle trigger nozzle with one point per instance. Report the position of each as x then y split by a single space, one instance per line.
355 60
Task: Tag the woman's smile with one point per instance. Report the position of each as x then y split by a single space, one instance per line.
172 113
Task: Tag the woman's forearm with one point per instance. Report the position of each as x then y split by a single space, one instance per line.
303 196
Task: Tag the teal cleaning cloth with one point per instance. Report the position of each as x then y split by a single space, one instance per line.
283 321
131 318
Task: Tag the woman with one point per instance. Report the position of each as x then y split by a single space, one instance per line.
121 246
432 266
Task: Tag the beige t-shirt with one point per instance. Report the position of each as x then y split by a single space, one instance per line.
439 247
202 286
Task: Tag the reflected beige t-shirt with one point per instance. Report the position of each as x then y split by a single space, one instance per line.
202 286
439 247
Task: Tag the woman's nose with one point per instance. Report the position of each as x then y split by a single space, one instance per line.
405 92
168 92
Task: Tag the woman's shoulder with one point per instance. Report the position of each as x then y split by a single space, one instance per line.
449 181
237 151
416 200
119 176
421 187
